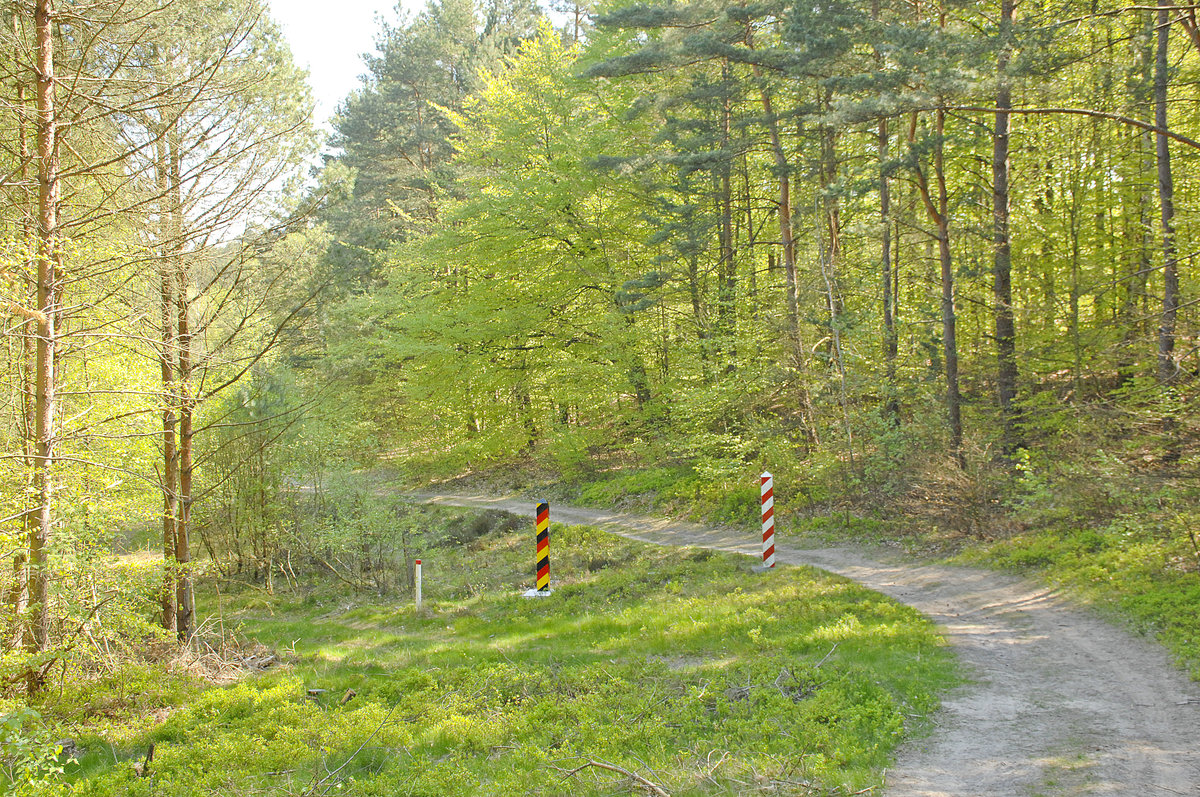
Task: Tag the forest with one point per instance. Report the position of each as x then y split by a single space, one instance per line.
927 262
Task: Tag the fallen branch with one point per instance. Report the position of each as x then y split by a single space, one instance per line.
796 692
827 655
338 574
312 790
649 785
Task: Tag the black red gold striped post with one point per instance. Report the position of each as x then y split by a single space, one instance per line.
768 519
543 547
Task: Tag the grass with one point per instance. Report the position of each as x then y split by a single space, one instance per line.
1124 555
676 489
680 666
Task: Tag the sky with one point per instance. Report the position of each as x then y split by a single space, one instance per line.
328 38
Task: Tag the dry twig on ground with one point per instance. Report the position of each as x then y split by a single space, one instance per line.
649 785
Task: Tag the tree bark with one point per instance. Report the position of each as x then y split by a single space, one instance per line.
1166 192
831 210
890 340
787 239
1006 334
19 593
727 269
891 408
1133 315
185 603
949 316
786 236
699 316
183 585
168 263
49 196
939 213
1076 289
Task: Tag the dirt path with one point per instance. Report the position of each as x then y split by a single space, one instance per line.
1060 703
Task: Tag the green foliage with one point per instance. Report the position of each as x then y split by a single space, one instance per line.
395 133
29 761
593 277
463 529
647 658
685 489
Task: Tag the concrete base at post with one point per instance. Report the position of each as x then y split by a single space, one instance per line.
763 569
537 593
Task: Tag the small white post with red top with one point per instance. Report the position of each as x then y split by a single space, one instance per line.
768 519
417 582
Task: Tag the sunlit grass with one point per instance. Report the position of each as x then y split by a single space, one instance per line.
680 665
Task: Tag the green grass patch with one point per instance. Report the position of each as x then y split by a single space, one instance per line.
679 665
1140 565
677 489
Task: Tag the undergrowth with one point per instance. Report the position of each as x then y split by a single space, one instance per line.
677 489
678 667
1121 538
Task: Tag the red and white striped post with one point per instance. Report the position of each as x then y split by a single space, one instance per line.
417 583
768 519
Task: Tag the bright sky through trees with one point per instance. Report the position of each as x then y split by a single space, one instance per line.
330 46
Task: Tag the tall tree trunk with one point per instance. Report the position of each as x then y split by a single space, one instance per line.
49 193
786 233
727 269
1166 191
891 407
1141 96
1006 334
183 585
1076 290
19 593
831 210
949 318
825 258
787 237
890 341
168 264
939 213
184 603
699 316
829 258
783 176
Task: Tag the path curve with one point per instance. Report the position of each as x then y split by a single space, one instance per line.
1060 702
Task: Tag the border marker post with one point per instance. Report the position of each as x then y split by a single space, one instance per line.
417 582
543 547
768 519
542 567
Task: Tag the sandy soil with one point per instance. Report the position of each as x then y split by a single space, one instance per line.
1059 703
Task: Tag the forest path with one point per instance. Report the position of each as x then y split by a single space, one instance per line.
1059 702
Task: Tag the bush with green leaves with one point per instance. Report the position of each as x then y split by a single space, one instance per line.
30 760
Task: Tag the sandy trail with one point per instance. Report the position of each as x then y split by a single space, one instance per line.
1060 702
